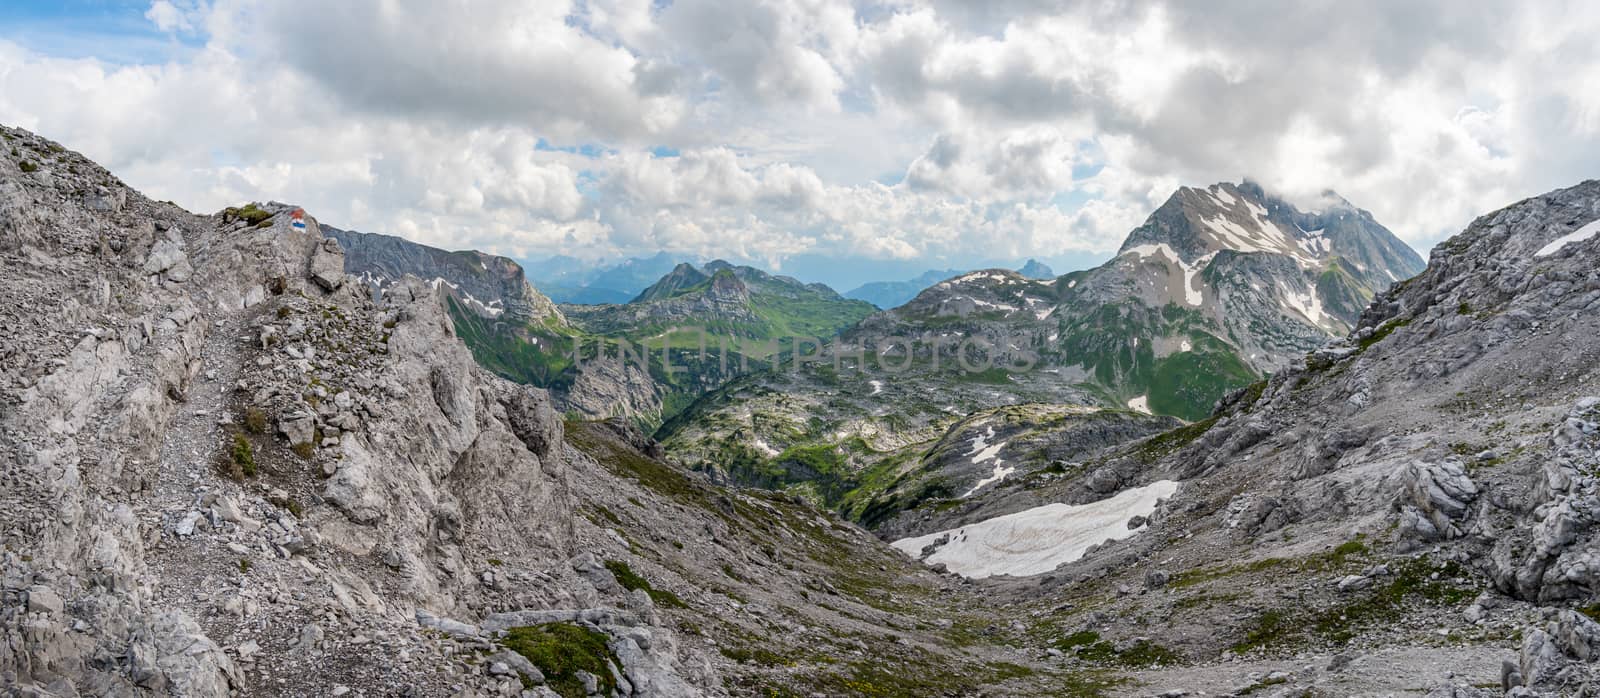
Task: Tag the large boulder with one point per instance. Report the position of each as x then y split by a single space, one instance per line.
327 265
1434 499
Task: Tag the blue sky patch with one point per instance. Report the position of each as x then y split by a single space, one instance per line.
588 150
115 31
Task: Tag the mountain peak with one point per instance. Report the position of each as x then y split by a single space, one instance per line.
1199 221
681 278
1196 223
726 286
1035 269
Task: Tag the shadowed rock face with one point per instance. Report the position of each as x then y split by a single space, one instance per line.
490 285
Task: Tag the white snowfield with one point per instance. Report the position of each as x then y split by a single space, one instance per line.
1579 235
1037 540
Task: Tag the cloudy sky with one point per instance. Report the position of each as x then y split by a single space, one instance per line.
915 134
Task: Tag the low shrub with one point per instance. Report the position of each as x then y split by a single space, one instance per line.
255 420
244 457
631 581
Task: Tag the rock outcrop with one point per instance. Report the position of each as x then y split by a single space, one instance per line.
488 285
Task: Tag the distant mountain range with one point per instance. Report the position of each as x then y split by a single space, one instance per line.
1220 286
570 280
890 294
737 301
893 294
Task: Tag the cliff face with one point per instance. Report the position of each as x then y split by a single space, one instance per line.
490 285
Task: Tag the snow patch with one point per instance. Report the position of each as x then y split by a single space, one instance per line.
1141 404
1002 307
1000 472
1308 304
1191 295
1581 234
492 309
976 276
1314 241
1266 237
981 451
1223 196
1037 540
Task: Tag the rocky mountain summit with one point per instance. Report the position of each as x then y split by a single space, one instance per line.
1273 280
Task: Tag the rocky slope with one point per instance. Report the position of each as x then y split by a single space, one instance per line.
1218 287
1415 498
511 328
229 469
